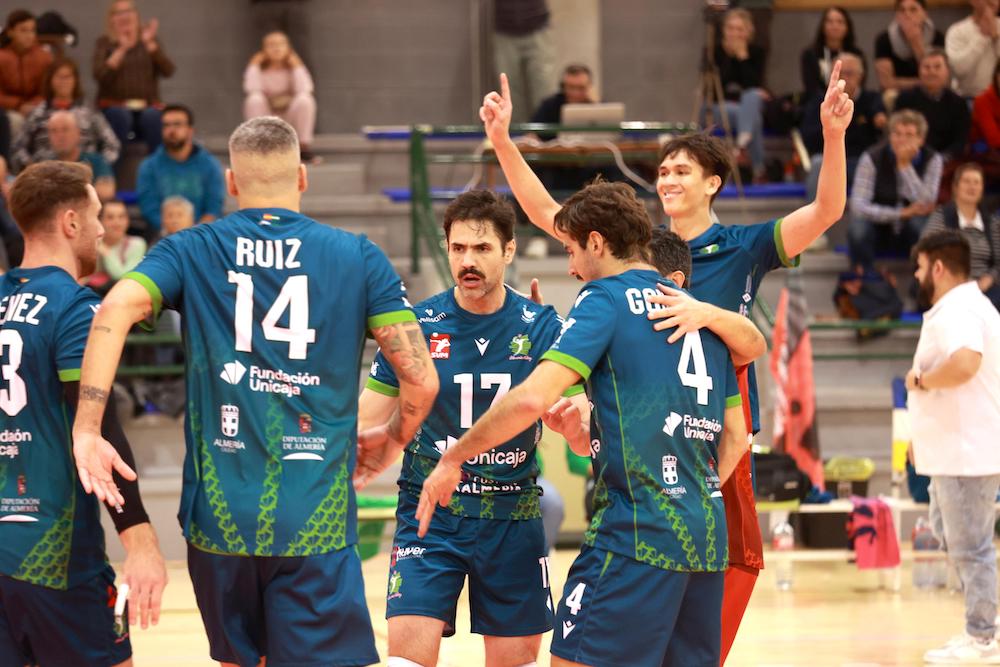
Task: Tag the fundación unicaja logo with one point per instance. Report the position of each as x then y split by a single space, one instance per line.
233 372
671 423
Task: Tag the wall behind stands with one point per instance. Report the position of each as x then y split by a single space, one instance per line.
394 62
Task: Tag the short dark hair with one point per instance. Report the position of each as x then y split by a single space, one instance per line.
961 169
482 205
947 245
109 202
613 211
184 109
58 64
850 41
897 3
936 52
668 252
577 68
45 187
17 17
711 154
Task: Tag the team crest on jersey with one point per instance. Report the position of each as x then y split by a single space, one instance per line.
22 485
305 423
395 584
520 346
528 316
440 346
230 420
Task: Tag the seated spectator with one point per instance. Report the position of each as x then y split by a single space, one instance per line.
64 138
575 87
22 66
741 71
946 112
128 63
895 188
181 166
118 253
177 214
834 36
984 138
899 48
975 222
973 47
62 91
13 242
277 83
866 128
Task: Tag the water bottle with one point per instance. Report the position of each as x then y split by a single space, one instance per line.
927 566
783 543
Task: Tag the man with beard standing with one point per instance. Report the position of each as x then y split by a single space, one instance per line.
180 166
954 390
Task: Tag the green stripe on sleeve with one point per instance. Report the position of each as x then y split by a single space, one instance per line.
569 362
381 387
69 375
154 294
734 401
574 390
394 317
780 245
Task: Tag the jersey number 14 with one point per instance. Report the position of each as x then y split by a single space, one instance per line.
293 297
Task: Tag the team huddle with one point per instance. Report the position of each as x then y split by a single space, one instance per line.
649 374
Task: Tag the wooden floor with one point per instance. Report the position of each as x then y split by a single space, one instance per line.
833 616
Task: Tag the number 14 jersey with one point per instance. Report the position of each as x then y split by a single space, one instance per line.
274 310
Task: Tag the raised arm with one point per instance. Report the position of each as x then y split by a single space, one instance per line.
685 313
520 408
537 203
808 223
96 458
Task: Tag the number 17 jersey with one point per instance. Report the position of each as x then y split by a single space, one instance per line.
274 310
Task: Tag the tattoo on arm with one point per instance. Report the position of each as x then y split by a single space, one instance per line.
403 345
90 393
102 328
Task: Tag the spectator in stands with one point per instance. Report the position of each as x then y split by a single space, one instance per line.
954 406
22 67
899 48
895 189
973 47
741 70
576 87
946 112
981 229
177 213
984 139
62 91
128 63
866 128
13 242
835 35
118 252
64 138
4 136
522 47
277 83
181 166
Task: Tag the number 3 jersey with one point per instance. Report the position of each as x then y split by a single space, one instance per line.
655 427
478 359
274 309
51 532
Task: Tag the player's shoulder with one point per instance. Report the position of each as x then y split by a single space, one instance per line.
529 311
434 309
738 234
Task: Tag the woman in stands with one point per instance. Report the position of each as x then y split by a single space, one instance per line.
899 48
834 35
741 71
128 63
62 92
277 83
977 224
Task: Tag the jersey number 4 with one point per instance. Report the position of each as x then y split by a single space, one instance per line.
692 351
14 396
293 297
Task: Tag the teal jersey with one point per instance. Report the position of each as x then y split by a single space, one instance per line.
274 309
478 359
52 529
657 420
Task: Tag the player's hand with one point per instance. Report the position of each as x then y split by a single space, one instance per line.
911 380
438 487
149 32
496 113
145 572
838 108
96 458
680 310
564 418
377 450
536 292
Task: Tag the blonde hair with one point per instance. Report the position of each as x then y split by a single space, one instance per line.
909 117
743 15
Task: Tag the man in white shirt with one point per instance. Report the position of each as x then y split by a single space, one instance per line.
973 46
954 404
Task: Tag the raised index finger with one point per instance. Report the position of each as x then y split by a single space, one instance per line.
834 76
505 87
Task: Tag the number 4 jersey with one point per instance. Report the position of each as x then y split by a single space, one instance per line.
657 422
51 532
478 359
274 309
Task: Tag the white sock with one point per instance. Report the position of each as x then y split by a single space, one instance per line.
402 662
